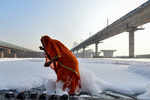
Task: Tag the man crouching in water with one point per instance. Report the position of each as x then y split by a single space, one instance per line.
63 62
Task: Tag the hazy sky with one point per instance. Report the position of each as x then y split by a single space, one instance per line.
23 22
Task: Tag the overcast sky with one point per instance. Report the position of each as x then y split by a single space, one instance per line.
23 22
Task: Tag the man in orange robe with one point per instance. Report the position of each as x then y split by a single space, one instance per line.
64 63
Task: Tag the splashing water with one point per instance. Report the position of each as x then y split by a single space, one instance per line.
89 83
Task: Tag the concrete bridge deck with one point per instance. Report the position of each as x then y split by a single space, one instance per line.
128 23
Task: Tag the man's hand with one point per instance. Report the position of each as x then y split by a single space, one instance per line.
41 48
47 64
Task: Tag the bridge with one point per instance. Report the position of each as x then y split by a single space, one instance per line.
13 51
128 23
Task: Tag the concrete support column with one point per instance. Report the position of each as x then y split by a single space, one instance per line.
83 52
9 51
77 53
1 54
131 44
96 49
131 30
15 55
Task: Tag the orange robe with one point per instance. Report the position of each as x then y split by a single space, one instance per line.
66 67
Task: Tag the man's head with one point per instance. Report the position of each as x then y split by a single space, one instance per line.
44 40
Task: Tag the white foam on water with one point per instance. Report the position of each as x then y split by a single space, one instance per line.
90 82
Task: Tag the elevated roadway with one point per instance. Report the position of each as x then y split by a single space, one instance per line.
12 46
128 23
11 50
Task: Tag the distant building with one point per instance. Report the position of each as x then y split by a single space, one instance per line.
88 54
8 50
108 53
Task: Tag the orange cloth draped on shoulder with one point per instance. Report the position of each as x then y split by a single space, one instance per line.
66 66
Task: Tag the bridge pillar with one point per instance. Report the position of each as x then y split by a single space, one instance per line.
15 55
77 53
9 51
131 44
96 49
2 54
131 31
83 52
